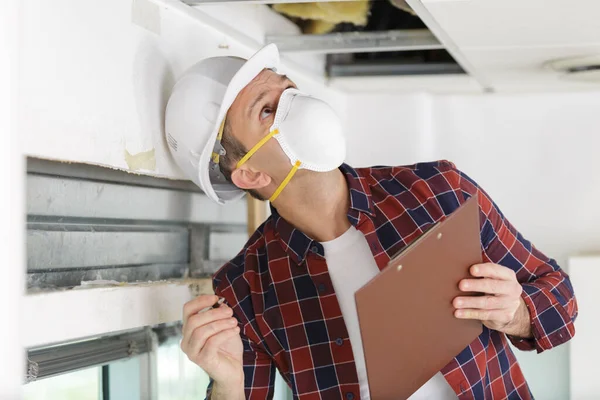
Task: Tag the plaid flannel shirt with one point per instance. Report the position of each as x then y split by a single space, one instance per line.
290 319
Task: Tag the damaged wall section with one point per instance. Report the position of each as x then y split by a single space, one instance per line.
88 224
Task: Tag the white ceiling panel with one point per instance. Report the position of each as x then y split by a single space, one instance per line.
519 59
506 82
510 23
522 69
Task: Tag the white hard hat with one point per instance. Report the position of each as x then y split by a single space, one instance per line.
197 108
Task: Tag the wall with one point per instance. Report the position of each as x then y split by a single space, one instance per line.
536 155
585 272
389 129
95 76
12 233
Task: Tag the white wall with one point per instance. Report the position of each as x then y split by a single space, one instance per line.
96 75
585 272
12 236
389 129
537 156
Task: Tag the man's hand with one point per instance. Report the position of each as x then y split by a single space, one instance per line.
211 340
501 307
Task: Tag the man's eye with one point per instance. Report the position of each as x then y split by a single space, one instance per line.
265 112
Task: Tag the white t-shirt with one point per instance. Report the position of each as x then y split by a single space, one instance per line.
351 265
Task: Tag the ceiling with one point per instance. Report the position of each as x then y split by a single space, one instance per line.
492 46
504 44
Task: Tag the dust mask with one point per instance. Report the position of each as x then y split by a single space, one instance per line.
308 131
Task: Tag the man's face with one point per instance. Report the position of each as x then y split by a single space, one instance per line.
250 117
252 113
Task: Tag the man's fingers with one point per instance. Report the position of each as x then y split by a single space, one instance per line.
486 285
482 302
205 318
500 317
214 343
201 335
493 271
198 304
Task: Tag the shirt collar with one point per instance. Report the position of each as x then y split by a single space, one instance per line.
297 244
360 192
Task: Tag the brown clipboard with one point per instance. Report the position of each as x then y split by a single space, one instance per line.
408 329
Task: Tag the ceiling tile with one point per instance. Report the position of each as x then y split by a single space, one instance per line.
510 23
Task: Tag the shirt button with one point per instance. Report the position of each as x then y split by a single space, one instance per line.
322 287
349 396
314 249
339 341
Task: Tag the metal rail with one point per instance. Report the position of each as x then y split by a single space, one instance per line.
58 359
357 42
88 223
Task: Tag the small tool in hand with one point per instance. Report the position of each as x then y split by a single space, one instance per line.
216 305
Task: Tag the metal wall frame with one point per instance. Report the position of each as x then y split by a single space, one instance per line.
88 223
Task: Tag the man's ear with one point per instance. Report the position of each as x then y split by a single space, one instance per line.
246 178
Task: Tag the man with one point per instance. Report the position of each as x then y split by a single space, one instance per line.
237 126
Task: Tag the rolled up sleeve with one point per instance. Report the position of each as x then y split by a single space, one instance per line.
547 290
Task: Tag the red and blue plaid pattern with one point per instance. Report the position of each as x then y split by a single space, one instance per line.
283 297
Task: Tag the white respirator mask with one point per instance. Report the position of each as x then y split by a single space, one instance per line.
308 131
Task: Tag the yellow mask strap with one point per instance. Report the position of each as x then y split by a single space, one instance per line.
287 180
256 147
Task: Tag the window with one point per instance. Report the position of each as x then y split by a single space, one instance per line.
125 366
181 379
80 385
178 377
